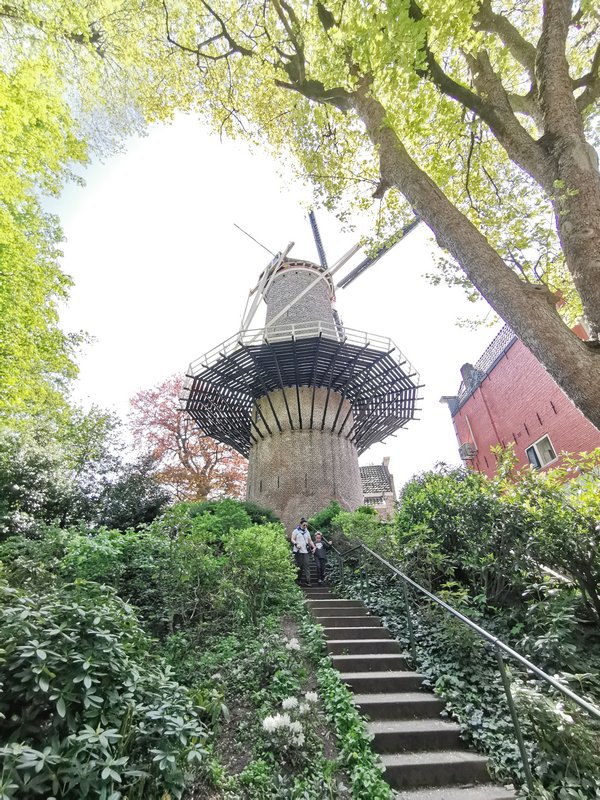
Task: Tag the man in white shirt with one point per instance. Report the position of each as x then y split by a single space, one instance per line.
302 542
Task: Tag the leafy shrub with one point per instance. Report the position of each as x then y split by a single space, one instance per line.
225 515
324 520
366 527
34 563
259 514
188 570
94 556
87 710
259 570
563 748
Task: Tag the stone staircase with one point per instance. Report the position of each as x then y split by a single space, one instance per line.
423 755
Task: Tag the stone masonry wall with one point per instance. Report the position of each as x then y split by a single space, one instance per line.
297 472
314 306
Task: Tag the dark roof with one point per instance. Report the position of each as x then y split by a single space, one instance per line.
375 479
488 360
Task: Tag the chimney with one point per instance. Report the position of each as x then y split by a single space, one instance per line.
386 461
471 376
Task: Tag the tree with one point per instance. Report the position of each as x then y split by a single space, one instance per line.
74 77
191 465
37 143
472 115
70 472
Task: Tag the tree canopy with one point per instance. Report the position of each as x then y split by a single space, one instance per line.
191 465
73 78
474 116
478 117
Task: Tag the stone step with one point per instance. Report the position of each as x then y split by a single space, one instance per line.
369 663
419 750
481 792
399 705
442 768
397 736
319 610
316 595
365 632
334 603
357 646
350 621
378 682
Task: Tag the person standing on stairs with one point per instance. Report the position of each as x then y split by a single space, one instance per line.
302 542
320 554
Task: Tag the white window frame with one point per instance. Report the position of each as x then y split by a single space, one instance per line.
540 457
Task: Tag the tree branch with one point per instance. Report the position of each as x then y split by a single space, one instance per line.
316 91
520 146
526 105
591 81
552 70
523 51
495 110
93 37
199 49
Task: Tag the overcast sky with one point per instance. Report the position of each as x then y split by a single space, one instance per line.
162 275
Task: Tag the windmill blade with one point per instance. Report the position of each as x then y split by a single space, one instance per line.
317 238
368 262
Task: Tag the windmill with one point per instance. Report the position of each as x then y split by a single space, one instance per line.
303 396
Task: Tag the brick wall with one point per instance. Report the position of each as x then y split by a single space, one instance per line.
519 402
298 471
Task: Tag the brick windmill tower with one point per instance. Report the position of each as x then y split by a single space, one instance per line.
304 396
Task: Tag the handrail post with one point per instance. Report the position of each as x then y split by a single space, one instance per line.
515 720
341 559
360 571
411 634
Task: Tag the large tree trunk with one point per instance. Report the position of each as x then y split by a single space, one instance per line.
577 193
530 310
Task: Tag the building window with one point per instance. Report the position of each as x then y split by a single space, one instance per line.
541 453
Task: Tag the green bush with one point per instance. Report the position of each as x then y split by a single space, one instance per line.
324 520
201 566
259 570
86 710
259 514
223 515
366 527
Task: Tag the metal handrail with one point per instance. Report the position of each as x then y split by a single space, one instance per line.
500 649
297 330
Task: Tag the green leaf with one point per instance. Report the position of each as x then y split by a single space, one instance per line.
61 707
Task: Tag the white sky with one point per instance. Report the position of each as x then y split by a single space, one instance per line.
161 276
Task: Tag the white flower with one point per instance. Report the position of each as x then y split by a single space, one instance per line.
311 697
268 724
276 722
303 708
293 644
289 702
296 727
298 740
217 676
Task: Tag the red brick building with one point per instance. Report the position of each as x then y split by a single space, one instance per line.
507 396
